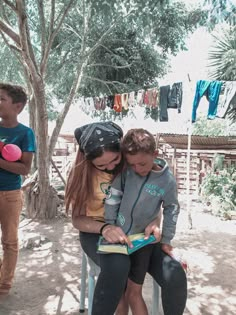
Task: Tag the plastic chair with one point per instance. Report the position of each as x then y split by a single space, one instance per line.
92 270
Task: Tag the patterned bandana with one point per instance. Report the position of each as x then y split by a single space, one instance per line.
96 135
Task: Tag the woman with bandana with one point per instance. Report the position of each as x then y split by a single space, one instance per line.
97 162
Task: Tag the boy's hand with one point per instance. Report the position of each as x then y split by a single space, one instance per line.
153 228
168 249
114 234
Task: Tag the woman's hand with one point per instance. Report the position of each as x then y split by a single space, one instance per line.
114 234
153 228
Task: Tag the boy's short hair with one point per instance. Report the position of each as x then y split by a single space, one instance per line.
16 92
138 140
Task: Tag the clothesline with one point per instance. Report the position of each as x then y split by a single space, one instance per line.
163 98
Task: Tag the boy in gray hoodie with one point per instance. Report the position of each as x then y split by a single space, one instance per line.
134 202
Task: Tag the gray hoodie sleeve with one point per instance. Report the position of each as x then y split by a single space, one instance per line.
170 213
113 200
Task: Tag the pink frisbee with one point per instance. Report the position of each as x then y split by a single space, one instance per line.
11 152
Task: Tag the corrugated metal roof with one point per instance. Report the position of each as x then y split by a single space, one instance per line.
199 142
180 141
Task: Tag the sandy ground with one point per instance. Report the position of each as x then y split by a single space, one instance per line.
48 272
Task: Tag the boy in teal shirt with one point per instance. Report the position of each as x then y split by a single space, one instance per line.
12 101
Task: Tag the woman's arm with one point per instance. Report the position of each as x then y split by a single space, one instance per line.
111 233
86 224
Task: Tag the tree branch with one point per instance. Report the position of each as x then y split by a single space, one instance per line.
8 44
79 13
42 25
100 40
52 16
74 88
6 29
59 67
70 28
11 5
3 13
98 43
101 81
52 36
25 39
113 83
76 83
106 65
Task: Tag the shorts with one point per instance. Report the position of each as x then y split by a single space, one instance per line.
140 263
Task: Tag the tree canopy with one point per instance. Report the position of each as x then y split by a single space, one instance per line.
220 11
135 42
64 49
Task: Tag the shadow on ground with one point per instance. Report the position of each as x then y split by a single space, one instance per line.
48 277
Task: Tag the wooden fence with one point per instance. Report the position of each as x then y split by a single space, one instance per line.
200 161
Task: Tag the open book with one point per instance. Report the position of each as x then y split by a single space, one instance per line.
137 240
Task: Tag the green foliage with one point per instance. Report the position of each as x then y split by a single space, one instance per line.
218 162
222 59
11 68
152 112
219 189
132 54
124 63
110 115
222 55
220 11
216 127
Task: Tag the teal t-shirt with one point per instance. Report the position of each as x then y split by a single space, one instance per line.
24 138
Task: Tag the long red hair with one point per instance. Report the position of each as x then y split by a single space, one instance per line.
79 186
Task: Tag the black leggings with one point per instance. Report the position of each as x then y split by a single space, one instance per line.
112 279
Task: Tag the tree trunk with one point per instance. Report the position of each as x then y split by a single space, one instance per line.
33 199
41 201
41 198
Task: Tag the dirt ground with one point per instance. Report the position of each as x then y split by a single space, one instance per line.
47 278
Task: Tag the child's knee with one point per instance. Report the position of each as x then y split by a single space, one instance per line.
133 291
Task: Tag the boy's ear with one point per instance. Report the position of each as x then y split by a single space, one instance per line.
19 107
156 153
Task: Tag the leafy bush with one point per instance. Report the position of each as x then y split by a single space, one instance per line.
219 190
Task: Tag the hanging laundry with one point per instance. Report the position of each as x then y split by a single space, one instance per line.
232 109
89 103
146 98
211 89
110 101
164 102
153 97
150 97
176 96
97 103
124 100
140 96
117 103
227 97
131 99
103 103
